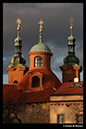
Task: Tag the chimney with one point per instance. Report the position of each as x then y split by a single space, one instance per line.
76 80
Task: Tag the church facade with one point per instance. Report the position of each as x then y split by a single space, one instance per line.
35 94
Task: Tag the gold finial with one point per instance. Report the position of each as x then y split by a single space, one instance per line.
18 21
40 22
71 20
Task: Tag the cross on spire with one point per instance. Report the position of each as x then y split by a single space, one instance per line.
40 22
71 20
18 21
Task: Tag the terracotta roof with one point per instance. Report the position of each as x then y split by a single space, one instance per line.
10 95
13 93
65 89
49 79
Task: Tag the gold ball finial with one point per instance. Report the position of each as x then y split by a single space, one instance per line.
40 30
71 27
18 27
40 22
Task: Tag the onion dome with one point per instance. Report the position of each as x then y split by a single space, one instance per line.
71 58
17 61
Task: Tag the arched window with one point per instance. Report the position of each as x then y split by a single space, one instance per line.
15 82
38 61
35 82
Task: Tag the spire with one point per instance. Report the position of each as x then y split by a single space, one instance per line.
18 40
71 58
40 30
71 39
71 68
17 60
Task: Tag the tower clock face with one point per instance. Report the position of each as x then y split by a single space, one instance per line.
35 82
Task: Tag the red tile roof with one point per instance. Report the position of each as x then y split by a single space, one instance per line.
50 83
10 95
66 89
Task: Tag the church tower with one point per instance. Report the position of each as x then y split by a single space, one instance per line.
71 69
17 67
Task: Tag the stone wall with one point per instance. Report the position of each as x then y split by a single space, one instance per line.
30 113
45 112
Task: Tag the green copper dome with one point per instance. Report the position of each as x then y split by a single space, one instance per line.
71 59
17 61
40 47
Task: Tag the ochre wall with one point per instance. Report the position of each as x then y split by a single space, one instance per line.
15 73
68 109
45 56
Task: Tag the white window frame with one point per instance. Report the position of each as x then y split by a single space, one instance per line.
38 61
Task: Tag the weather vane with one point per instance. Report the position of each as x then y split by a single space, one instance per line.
71 20
18 21
40 22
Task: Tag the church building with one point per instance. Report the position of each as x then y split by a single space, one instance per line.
35 94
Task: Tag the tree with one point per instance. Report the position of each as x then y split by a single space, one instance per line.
11 111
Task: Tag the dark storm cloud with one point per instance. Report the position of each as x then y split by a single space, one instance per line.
55 28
